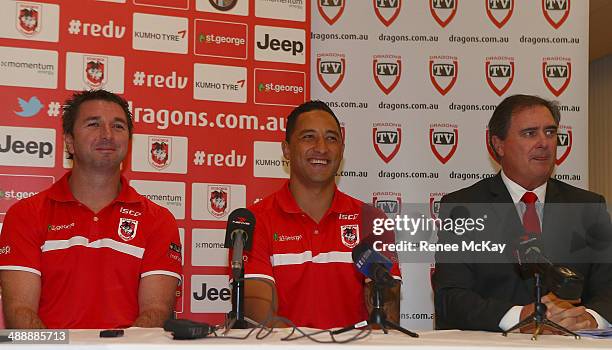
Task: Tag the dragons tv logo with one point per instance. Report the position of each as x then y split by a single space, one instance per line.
330 70
565 139
556 12
387 10
499 11
443 72
443 140
331 10
443 11
557 74
387 140
387 70
499 72
389 202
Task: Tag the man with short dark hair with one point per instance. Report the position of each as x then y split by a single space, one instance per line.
305 234
522 199
90 252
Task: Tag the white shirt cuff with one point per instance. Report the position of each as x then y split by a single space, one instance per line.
601 322
512 317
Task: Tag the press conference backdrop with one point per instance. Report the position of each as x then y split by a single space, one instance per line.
207 80
210 82
414 83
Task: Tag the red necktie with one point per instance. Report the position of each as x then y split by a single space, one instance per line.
531 222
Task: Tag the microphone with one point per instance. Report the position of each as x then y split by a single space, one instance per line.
373 264
239 236
562 281
186 329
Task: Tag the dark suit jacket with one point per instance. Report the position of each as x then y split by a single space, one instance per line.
474 295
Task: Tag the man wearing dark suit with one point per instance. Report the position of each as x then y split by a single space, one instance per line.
495 295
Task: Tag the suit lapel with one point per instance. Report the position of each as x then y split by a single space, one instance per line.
507 214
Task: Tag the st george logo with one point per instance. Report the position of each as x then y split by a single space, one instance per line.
218 200
29 17
499 73
499 11
443 140
387 70
557 74
387 10
349 235
443 11
95 70
127 229
564 143
387 139
556 11
489 148
330 70
331 10
389 202
160 151
443 71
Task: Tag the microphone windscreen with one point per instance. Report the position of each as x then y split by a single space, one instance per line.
240 219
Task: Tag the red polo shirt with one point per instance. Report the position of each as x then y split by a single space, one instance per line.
90 264
317 283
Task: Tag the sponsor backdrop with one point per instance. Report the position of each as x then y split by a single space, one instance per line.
211 81
208 81
414 83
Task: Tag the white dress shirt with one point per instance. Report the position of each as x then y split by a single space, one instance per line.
513 315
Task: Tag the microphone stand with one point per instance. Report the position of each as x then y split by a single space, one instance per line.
538 317
377 316
236 316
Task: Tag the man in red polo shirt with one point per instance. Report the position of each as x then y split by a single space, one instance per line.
305 234
90 252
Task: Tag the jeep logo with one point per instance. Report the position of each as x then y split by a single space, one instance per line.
40 148
212 294
295 47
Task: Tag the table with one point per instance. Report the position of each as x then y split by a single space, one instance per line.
155 338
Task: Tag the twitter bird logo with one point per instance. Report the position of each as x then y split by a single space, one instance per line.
29 108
